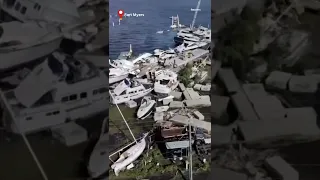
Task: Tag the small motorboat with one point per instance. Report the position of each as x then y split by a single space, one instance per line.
146 107
159 32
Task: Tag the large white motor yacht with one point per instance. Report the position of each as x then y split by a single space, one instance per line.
129 90
58 90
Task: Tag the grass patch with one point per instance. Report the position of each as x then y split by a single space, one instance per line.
128 113
147 167
117 124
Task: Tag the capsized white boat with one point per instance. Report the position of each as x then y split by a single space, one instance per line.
189 45
24 42
130 155
122 63
117 74
146 107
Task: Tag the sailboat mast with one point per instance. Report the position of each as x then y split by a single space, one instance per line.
195 14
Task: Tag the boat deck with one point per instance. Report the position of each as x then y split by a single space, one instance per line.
187 57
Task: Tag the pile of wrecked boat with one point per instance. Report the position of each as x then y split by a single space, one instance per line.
151 81
65 87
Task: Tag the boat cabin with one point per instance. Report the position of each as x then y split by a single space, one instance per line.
59 11
53 93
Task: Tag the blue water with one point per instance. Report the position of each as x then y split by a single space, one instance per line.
141 31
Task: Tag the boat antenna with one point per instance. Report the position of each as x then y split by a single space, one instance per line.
134 138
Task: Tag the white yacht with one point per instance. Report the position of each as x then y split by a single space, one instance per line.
117 74
146 107
24 42
185 34
187 45
129 90
58 90
58 11
162 55
141 58
122 63
165 81
202 31
194 35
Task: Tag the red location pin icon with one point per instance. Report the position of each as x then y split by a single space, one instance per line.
120 14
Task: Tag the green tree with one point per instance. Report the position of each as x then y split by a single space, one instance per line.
184 75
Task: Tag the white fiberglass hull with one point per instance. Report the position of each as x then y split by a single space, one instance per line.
127 97
129 156
13 58
162 89
144 112
118 78
99 159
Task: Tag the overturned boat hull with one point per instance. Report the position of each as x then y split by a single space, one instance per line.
117 78
14 58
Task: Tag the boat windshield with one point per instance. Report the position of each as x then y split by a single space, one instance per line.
127 82
144 102
164 81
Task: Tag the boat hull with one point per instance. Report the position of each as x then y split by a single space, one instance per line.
117 78
13 59
135 151
99 161
164 89
142 114
125 98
